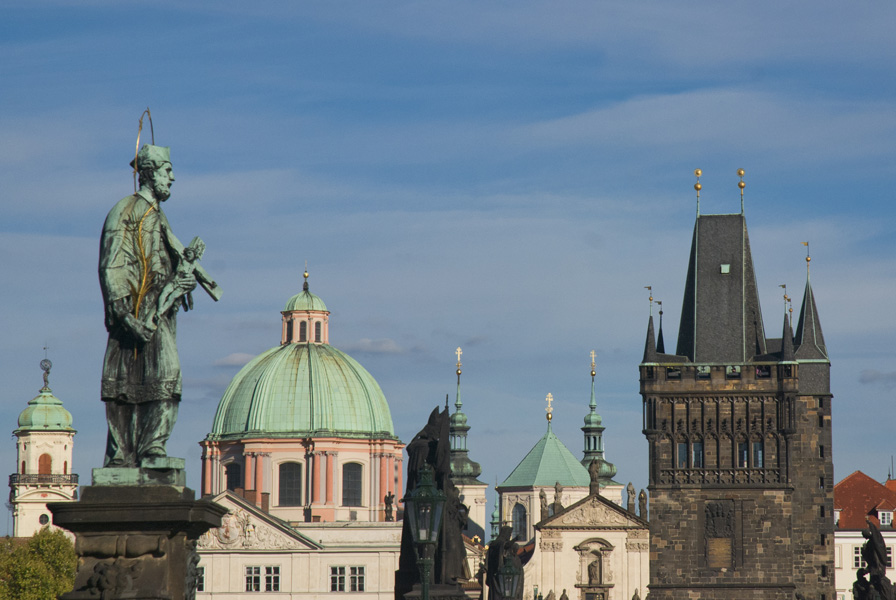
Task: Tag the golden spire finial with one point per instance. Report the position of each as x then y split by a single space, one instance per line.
593 356
698 187
306 270
458 352
550 409
808 258
741 185
649 289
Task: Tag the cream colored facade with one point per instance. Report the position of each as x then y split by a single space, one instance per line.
529 498
256 555
593 549
44 475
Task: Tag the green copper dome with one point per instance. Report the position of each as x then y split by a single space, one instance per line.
548 462
298 390
45 413
305 300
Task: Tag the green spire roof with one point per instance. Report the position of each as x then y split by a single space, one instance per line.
45 413
548 462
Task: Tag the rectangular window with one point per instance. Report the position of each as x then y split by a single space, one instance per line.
886 517
682 455
742 453
272 579
820 451
757 455
889 557
200 579
253 579
697 451
357 579
337 579
857 562
821 420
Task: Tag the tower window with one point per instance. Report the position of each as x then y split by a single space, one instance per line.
757 455
233 476
290 488
351 484
820 451
519 521
45 464
303 331
317 331
742 455
697 453
682 455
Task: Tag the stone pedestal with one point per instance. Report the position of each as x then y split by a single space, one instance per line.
136 541
437 592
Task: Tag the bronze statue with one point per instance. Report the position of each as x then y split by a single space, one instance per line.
145 272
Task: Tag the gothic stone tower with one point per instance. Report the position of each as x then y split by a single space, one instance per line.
739 431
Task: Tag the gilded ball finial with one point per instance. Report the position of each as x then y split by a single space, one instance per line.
698 172
741 184
697 186
593 372
741 172
808 258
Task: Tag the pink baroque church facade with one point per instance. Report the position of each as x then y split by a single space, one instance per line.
303 454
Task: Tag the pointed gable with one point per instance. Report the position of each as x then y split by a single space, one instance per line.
593 512
721 320
247 528
809 340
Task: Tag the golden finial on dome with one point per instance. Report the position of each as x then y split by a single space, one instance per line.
741 185
650 299
458 352
593 356
550 409
808 258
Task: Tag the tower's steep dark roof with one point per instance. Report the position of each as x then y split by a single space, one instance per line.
809 340
787 340
650 344
721 320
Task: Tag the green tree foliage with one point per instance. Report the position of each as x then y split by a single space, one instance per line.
39 569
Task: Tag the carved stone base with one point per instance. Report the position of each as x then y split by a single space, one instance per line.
136 542
437 592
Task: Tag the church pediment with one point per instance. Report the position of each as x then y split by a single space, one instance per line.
245 527
593 512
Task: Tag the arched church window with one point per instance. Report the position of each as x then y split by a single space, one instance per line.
303 331
351 484
317 331
289 331
45 464
233 475
519 521
290 491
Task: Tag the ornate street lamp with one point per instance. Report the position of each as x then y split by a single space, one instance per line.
508 580
423 510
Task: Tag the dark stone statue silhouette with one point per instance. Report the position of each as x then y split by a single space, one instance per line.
874 553
431 447
389 500
501 550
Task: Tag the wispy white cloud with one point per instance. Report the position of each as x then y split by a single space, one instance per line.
377 346
235 359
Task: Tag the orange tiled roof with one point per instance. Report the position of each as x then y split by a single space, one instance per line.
858 496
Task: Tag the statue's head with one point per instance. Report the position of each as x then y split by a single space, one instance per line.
153 164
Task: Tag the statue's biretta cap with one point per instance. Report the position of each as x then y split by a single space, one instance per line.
150 155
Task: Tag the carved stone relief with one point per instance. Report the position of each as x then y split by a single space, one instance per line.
240 530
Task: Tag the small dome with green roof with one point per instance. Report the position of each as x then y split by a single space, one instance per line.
547 463
45 411
305 300
304 387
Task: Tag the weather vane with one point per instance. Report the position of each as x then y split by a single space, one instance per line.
650 299
550 409
786 299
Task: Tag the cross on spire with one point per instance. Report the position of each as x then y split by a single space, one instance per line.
549 409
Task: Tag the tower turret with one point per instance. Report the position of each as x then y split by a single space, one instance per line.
44 459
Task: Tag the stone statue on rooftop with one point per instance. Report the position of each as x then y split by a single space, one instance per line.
145 274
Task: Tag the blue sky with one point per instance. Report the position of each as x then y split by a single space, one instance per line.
505 177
